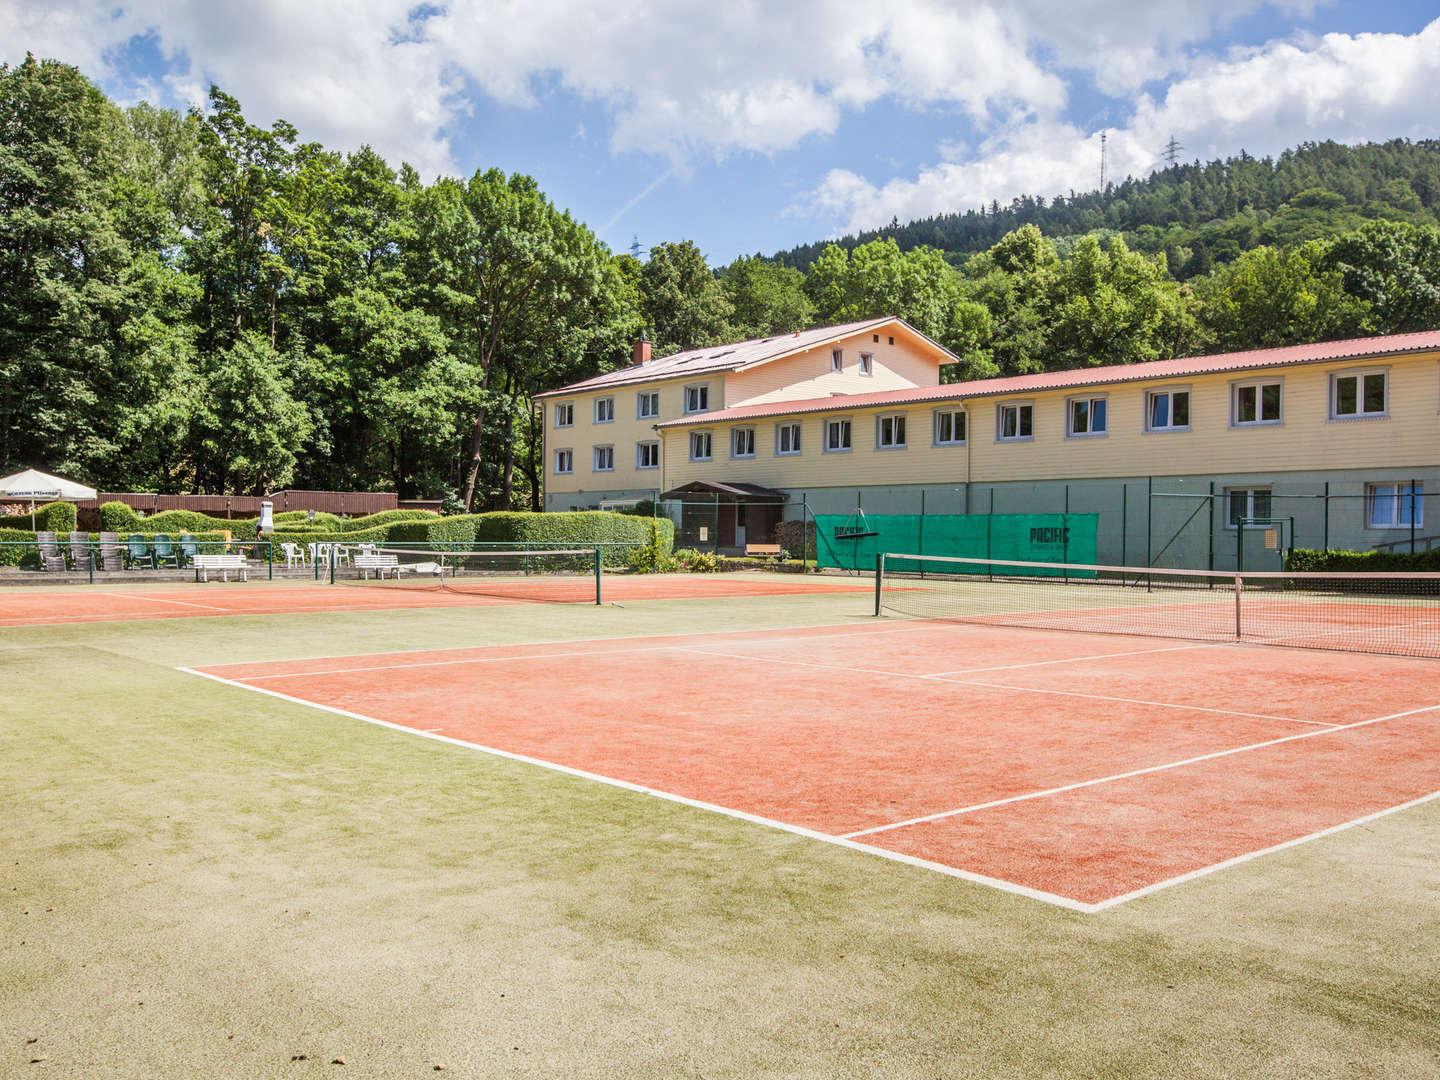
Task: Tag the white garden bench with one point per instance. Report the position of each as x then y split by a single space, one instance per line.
367 561
204 563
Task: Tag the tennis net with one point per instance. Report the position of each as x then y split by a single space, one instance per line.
560 575
1396 614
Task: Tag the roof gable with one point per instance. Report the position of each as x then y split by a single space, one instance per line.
741 356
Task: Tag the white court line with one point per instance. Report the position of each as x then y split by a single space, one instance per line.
1238 859
1079 659
158 600
1133 772
532 656
626 785
999 686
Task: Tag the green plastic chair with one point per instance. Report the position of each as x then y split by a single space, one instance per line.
189 548
165 553
138 551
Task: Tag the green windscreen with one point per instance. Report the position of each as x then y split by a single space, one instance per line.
843 540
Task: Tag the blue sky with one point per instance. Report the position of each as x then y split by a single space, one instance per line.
753 126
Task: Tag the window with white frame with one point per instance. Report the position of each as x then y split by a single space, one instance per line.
700 446
837 359
604 459
1085 417
949 427
1246 503
787 439
647 455
604 410
890 432
697 398
1356 395
1394 505
742 442
1167 410
867 364
564 461
647 404
1014 421
1253 403
565 415
837 436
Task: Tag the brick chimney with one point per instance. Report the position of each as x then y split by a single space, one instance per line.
640 354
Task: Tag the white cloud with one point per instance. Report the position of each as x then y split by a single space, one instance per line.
1342 87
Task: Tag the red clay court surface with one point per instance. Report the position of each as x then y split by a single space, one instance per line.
35 606
1082 770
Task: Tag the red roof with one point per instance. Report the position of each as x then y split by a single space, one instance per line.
1178 368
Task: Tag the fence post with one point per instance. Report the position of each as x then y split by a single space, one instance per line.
1325 527
1065 536
597 575
989 520
1412 515
270 557
1149 516
92 562
879 575
1124 519
1210 515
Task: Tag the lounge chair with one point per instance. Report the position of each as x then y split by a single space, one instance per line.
138 551
110 552
49 545
165 551
80 550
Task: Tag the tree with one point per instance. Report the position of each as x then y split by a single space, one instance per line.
768 298
1278 296
1394 267
493 258
919 286
684 306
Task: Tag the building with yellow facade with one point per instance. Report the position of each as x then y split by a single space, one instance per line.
1338 441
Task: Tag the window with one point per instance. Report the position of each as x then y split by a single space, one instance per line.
1245 503
1085 417
1167 410
1392 506
647 404
890 432
697 398
604 459
1015 422
565 415
1358 394
949 427
700 446
742 442
787 438
604 410
837 436
564 461
1254 403
837 359
647 455
867 364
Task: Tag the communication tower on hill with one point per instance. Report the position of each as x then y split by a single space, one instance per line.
1103 177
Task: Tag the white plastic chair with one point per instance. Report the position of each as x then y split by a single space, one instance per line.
293 554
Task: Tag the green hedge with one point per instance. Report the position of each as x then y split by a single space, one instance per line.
1366 562
574 528
49 517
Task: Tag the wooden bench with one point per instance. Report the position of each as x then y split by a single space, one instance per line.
768 551
204 563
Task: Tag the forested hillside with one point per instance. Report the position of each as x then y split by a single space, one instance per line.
1201 215
191 302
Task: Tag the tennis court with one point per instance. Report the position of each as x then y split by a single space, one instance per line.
1080 769
41 606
